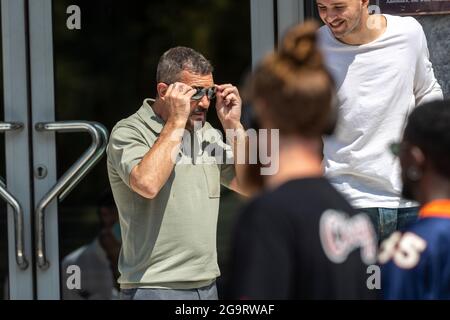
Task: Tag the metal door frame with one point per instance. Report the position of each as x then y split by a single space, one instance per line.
44 144
27 37
16 108
29 99
269 20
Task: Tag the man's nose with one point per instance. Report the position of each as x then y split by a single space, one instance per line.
330 16
204 102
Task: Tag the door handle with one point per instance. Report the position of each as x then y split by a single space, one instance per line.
83 171
68 181
21 260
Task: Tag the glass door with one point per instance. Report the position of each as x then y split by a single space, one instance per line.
30 187
103 72
71 70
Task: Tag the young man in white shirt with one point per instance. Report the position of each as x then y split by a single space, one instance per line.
382 71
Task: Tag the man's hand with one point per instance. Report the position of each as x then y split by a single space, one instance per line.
149 176
228 106
178 101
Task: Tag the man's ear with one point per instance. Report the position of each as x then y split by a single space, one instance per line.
161 88
365 3
418 157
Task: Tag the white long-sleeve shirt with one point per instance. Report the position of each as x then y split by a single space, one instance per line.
378 83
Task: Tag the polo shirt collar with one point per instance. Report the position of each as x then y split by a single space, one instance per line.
150 118
436 209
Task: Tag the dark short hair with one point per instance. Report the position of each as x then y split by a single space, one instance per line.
429 128
177 59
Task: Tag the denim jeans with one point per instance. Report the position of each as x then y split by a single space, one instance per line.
205 293
388 220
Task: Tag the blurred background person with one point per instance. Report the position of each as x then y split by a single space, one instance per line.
299 239
417 259
98 260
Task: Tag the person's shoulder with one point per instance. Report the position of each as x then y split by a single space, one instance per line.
407 25
130 122
261 201
315 193
265 206
409 21
307 197
132 127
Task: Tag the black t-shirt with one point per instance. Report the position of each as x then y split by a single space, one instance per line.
301 241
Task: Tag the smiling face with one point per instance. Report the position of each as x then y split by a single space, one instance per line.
343 17
199 108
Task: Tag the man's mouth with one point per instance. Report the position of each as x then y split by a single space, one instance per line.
335 25
198 114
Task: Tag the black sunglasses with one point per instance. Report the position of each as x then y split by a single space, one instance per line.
200 92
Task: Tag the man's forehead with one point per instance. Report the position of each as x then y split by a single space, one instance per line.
195 79
334 2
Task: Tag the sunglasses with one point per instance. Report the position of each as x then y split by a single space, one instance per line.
201 92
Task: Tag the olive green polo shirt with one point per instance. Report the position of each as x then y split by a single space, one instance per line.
168 241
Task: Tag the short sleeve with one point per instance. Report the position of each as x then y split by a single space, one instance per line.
426 87
126 148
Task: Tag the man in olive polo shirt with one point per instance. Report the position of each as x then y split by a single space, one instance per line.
168 210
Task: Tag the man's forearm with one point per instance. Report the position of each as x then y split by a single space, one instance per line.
149 176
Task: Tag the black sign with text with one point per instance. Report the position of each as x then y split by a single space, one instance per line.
412 7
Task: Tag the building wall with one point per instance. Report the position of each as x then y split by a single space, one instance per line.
437 30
